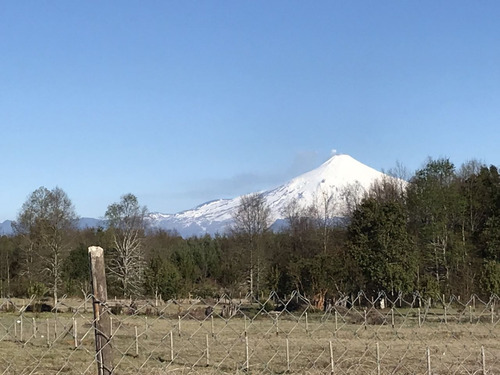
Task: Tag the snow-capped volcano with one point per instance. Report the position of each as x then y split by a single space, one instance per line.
335 177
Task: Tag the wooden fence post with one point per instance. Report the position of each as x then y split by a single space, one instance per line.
48 333
276 321
287 355
208 352
212 325
102 323
378 359
429 369
332 368
75 332
171 346
136 342
247 355
483 360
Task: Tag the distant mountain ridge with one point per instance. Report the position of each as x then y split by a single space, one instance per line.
83 223
6 227
333 177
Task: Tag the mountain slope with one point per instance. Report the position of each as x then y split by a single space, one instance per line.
334 177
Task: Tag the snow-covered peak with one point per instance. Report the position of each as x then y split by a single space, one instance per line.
333 178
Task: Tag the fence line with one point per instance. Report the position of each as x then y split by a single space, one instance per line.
275 335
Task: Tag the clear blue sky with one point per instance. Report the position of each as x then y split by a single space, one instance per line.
180 102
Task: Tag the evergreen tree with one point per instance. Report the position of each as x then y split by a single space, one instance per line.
435 206
381 246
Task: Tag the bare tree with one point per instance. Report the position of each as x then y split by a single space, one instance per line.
251 220
126 220
387 189
324 207
351 194
44 223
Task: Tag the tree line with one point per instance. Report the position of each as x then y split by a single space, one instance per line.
436 232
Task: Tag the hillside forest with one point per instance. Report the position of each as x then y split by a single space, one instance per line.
436 232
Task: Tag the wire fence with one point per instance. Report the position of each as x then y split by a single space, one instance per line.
352 335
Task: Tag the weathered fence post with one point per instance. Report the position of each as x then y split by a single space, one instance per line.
287 355
366 322
245 319
429 369
336 323
102 322
378 359
247 355
208 352
332 368
48 333
136 342
212 325
483 360
75 332
171 346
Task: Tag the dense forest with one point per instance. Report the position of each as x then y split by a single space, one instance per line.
436 232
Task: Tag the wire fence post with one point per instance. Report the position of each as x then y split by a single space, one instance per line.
429 369
48 332
75 332
212 325
102 322
171 346
208 352
287 355
378 358
136 342
332 368
247 355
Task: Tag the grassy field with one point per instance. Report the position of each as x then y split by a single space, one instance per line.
181 339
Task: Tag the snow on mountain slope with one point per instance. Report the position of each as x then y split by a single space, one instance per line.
332 178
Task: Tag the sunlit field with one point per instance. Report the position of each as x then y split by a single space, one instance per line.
183 338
